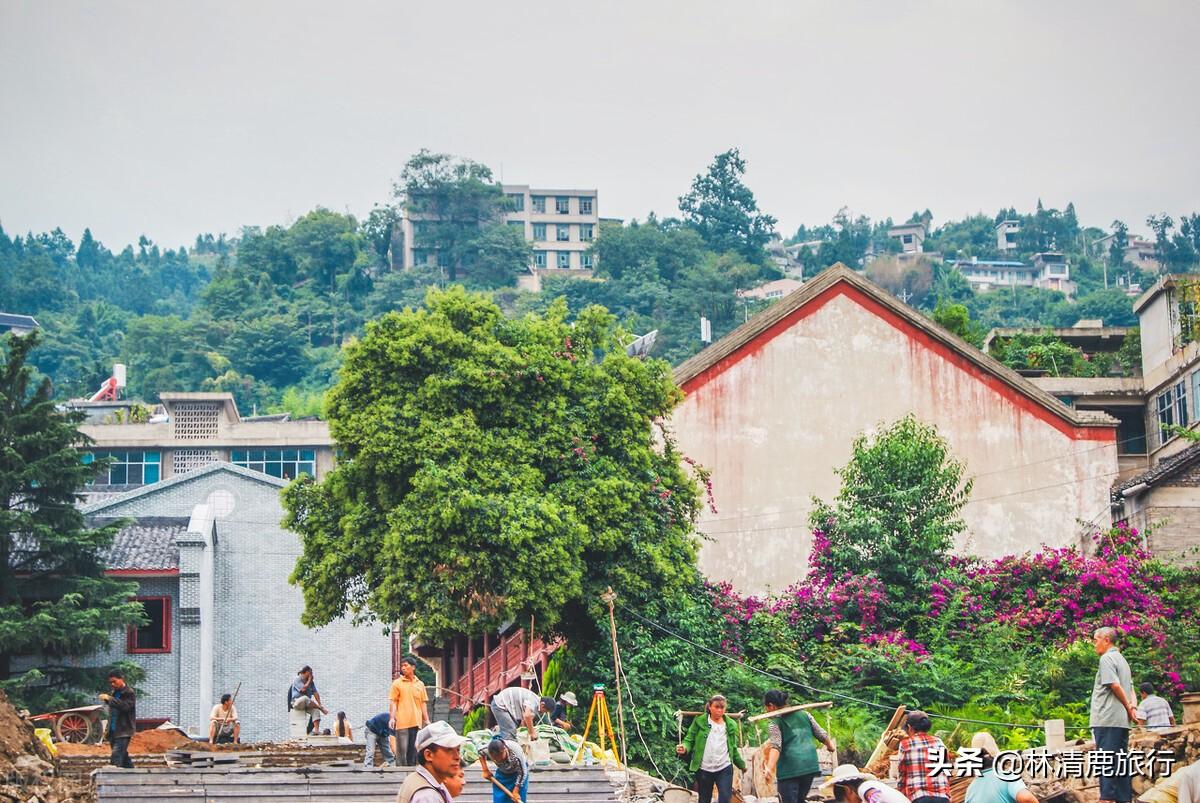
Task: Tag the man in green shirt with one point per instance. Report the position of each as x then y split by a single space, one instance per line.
792 753
1112 713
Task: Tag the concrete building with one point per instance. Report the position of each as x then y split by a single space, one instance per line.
1048 271
1006 236
911 237
212 563
1139 252
17 324
771 290
189 431
1169 322
1164 504
561 225
772 410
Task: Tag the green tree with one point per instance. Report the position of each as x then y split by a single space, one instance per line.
493 470
722 208
449 200
56 604
497 256
897 513
956 318
1116 249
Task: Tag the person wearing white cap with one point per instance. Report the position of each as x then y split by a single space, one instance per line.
439 759
852 785
989 787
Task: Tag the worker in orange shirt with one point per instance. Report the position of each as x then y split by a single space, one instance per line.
408 711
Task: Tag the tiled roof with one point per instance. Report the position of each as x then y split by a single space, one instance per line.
147 544
1165 468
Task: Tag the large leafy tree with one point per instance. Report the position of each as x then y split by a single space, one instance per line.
56 604
897 513
450 201
722 208
493 470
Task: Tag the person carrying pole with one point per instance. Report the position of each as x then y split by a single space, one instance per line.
712 744
511 779
791 754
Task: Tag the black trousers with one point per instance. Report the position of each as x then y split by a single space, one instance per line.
722 779
120 752
1113 786
795 790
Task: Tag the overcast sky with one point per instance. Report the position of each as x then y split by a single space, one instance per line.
173 118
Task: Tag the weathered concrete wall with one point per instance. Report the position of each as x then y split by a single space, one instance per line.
775 423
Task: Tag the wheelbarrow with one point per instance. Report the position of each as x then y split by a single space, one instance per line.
82 725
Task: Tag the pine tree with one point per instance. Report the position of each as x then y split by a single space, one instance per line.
56 604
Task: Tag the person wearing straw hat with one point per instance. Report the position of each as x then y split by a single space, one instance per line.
558 717
852 785
712 741
989 787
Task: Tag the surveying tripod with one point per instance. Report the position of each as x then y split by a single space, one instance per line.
599 712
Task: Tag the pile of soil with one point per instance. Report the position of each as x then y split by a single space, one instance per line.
149 742
27 769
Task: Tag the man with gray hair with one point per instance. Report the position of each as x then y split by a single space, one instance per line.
1112 714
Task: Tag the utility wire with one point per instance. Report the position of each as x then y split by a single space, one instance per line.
814 689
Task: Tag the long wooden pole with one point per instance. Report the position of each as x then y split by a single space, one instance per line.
778 712
488 774
610 597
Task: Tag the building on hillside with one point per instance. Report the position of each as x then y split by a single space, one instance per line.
1048 272
189 431
1119 394
1052 271
1006 236
561 225
17 324
1163 503
784 257
212 563
1169 323
911 237
773 408
771 290
1139 252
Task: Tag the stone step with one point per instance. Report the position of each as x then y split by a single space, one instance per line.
346 785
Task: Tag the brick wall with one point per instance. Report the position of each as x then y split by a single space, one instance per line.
259 639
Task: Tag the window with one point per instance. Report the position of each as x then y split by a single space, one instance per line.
539 203
585 206
564 259
283 463
907 239
539 259
1195 395
155 635
585 259
128 468
539 231
1166 414
517 201
195 421
564 233
1131 431
587 232
562 205
1181 405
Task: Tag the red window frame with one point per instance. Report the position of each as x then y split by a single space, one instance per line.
131 632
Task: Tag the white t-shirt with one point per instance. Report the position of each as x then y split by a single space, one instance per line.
220 715
716 749
516 700
1156 711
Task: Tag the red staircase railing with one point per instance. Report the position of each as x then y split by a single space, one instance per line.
498 669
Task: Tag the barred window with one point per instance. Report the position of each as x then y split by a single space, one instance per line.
186 460
195 420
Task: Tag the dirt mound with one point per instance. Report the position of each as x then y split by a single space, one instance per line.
27 768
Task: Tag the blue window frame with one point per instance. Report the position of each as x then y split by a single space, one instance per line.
564 232
539 203
562 204
564 259
283 463
128 468
539 231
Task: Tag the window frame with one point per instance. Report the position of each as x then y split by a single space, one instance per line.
562 233
539 232
587 232
131 646
585 260
260 458
518 201
586 210
562 204
539 259
559 260
538 203
121 457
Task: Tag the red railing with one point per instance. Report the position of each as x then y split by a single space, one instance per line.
497 669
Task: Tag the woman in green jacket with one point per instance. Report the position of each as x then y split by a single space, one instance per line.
712 746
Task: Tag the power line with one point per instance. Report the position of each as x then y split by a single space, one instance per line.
814 689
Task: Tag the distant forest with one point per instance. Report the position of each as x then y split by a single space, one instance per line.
263 313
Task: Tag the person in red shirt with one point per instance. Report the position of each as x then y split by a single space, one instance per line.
918 752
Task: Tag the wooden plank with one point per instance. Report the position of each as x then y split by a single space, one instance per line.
778 712
886 746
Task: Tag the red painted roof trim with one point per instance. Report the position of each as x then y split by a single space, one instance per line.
1020 400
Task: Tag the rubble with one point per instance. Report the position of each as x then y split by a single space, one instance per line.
28 771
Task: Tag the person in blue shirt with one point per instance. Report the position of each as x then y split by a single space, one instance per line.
379 733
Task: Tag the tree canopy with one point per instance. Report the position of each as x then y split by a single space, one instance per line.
56 604
492 470
722 208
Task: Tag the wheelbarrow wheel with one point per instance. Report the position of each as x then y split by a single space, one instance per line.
74 728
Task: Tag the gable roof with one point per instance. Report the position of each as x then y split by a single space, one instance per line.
213 468
840 280
16 321
146 545
1165 469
